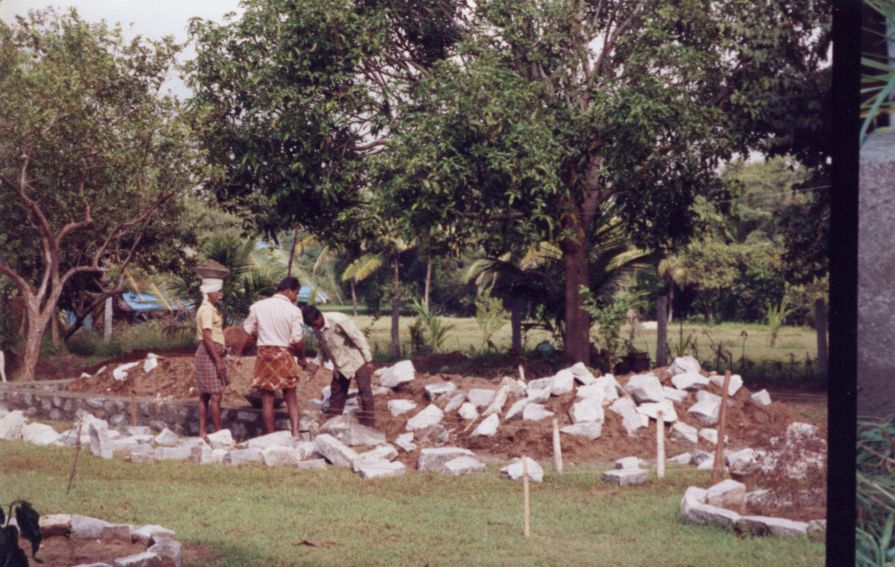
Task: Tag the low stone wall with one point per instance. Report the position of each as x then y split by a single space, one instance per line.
48 400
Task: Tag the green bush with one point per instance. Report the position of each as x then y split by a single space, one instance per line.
151 335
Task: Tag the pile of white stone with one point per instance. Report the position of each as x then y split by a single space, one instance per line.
161 547
716 506
636 403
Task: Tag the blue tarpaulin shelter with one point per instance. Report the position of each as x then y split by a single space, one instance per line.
143 302
308 290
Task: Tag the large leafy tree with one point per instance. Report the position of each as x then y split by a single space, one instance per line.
555 108
91 157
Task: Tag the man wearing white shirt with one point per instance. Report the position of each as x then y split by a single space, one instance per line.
277 324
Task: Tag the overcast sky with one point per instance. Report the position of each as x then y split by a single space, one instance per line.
150 18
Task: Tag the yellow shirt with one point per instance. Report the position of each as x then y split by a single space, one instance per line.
208 317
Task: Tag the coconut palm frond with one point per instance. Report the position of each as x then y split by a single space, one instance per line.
324 253
363 267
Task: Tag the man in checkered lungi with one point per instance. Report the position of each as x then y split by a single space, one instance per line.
277 324
211 372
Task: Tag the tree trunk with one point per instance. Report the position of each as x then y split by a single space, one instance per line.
516 323
292 252
353 297
54 331
820 324
670 302
661 331
428 283
35 329
395 348
577 338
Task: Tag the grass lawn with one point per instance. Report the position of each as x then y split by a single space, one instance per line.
258 516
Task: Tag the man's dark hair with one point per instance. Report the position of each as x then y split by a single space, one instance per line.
310 313
290 282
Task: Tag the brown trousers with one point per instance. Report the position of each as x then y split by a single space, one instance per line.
339 394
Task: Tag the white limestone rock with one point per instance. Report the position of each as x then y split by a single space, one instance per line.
167 438
397 374
535 412
538 396
514 470
305 449
433 459
120 372
626 477
405 442
347 429
762 398
275 439
380 469
684 364
582 374
540 384
334 450
706 412
398 407
736 382
707 515
645 388
222 439
611 388
682 431
589 429
631 420
85 527
516 409
11 425
630 463
682 459
741 462
690 381
170 550
455 402
99 441
468 412
55 524
711 436
563 383
431 415
125 444
651 410
488 426
40 434
780 527
587 410
726 494
674 395
593 390
279 456
142 559
172 453
438 389
312 465
142 454
385 452
463 465
480 397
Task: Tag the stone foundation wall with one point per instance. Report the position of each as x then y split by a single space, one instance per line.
47 400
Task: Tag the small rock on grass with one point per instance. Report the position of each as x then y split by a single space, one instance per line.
625 477
463 465
514 470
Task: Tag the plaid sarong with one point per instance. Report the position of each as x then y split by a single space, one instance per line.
275 368
207 379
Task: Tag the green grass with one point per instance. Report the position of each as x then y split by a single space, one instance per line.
875 543
257 516
149 335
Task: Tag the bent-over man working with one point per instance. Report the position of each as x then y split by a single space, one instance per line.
277 324
343 344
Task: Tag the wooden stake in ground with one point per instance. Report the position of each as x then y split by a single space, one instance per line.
74 464
526 511
660 444
722 418
557 447
521 373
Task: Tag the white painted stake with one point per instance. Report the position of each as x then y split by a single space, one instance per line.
522 373
557 447
2 366
660 445
526 524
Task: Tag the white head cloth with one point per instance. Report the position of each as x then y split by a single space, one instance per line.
211 285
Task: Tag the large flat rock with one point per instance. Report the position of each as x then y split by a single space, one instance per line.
431 415
334 450
433 459
625 477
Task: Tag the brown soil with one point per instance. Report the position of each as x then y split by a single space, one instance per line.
748 425
61 551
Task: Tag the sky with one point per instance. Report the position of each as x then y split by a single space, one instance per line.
149 18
